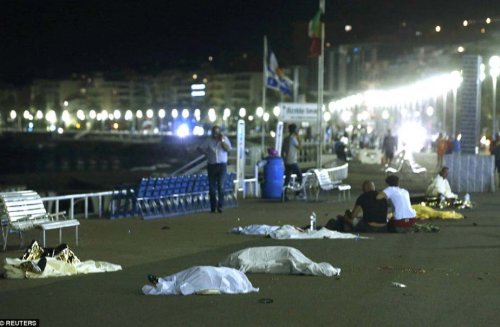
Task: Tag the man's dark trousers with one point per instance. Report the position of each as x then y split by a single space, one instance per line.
216 178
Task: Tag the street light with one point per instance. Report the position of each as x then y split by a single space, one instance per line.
494 72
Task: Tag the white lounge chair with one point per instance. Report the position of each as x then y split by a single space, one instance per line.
325 183
24 210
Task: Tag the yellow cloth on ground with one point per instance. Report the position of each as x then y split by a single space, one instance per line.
424 212
57 268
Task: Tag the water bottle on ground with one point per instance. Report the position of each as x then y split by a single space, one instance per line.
312 221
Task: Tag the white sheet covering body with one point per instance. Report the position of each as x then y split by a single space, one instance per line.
277 260
202 280
254 229
287 232
57 268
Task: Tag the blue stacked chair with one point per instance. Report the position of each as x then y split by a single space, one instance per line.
229 192
123 202
171 196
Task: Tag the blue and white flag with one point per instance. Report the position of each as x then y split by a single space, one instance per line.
275 79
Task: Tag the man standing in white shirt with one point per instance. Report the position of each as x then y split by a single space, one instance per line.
440 186
291 147
404 215
216 148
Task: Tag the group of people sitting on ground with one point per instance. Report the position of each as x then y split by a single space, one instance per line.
389 210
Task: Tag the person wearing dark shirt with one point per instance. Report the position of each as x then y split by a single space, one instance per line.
374 213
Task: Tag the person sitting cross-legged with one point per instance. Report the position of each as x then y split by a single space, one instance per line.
440 186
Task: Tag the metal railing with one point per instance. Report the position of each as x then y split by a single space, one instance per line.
73 199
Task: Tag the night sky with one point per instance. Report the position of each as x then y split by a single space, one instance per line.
56 38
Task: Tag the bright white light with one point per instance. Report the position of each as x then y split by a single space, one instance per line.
129 115
211 115
156 130
150 113
26 114
348 28
99 117
183 130
362 116
198 131
30 125
117 113
488 20
482 72
60 130
197 87
39 114
412 136
80 114
327 116
265 116
273 134
494 63
484 141
227 112
437 28
197 114
346 116
104 114
185 113
276 111
197 93
250 118
460 49
175 113
92 114
161 113
111 116
242 113
138 114
259 111
13 114
116 125
429 111
65 103
385 114
51 117
459 137
465 23
65 117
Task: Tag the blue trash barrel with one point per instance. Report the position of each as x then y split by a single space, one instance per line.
272 184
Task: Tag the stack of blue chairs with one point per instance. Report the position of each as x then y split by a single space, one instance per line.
123 202
178 195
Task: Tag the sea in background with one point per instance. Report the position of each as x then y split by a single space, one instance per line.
61 164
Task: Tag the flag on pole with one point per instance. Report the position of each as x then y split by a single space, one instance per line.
275 78
315 35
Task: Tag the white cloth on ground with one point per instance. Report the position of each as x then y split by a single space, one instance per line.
288 232
277 260
57 268
202 280
254 229
440 185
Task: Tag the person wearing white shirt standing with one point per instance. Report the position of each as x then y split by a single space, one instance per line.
216 148
404 215
440 186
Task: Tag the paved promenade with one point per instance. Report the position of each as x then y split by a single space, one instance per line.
452 277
